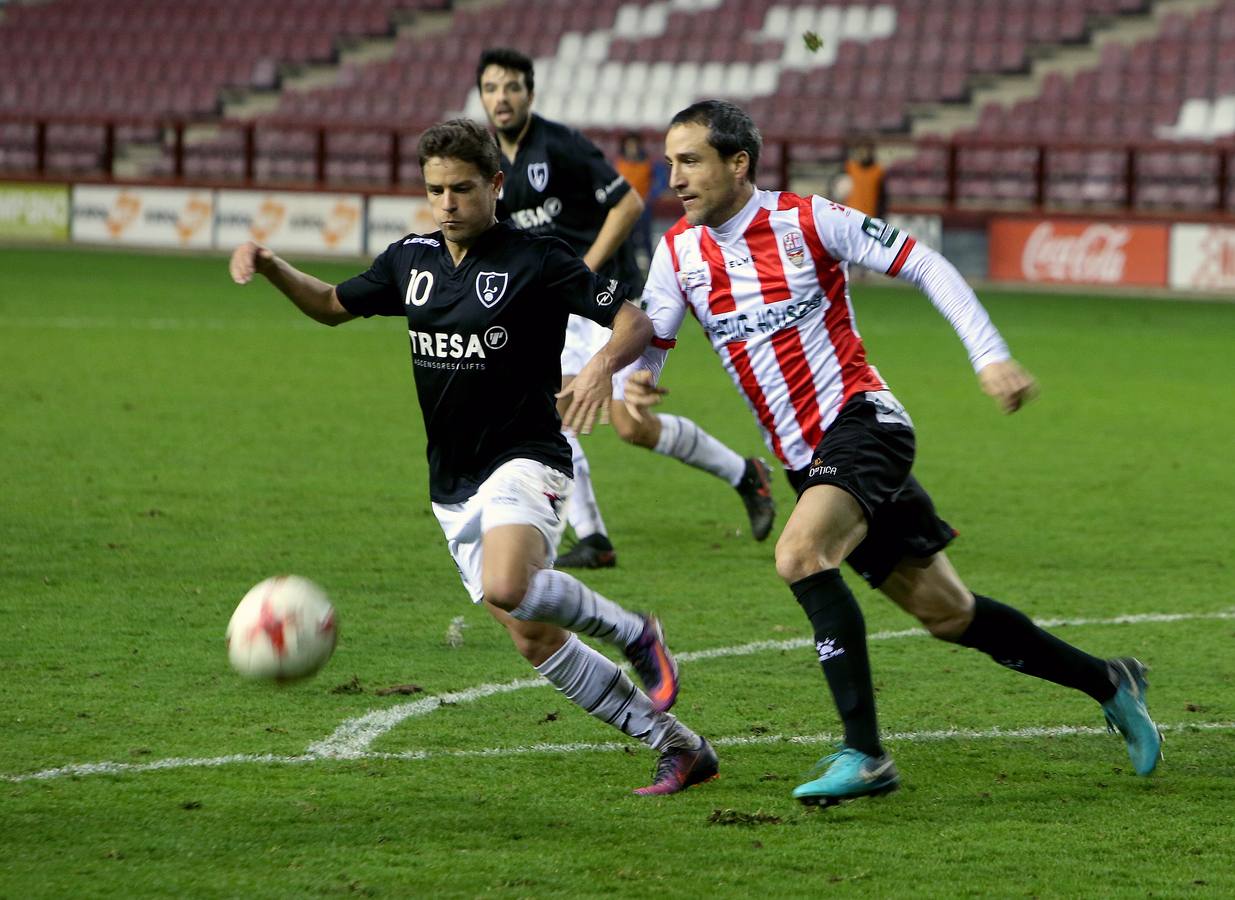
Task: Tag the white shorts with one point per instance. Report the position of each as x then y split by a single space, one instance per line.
583 339
519 492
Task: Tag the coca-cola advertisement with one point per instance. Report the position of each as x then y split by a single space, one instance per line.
1078 252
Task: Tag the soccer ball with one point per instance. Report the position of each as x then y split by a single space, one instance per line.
283 629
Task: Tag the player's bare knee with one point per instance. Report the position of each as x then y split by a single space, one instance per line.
505 591
798 557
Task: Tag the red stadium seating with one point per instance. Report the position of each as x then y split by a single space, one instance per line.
614 64
161 58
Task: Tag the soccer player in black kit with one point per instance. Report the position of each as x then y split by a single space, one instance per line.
557 182
486 307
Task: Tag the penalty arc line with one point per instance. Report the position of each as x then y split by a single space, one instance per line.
352 739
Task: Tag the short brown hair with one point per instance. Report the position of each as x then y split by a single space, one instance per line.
464 140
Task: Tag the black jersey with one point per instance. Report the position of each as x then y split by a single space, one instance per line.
560 184
486 340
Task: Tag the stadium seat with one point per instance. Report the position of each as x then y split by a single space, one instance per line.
632 63
1222 122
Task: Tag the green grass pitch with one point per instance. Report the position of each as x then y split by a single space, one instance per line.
170 439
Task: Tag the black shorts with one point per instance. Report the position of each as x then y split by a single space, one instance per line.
868 452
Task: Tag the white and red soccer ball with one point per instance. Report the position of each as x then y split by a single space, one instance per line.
283 629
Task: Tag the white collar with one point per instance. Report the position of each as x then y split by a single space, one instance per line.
736 226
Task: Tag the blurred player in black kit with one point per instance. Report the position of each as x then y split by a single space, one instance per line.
557 182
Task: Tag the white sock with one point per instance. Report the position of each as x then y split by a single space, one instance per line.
594 682
560 598
582 510
683 439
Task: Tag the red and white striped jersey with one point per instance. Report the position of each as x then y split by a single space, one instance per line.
771 289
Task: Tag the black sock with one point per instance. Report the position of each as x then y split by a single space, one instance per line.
840 639
1010 638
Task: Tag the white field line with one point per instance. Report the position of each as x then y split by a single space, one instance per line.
352 739
899 737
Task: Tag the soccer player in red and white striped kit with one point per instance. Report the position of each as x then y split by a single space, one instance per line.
766 275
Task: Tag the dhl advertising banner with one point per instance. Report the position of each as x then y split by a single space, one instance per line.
291 222
145 217
1203 258
391 218
34 211
1078 252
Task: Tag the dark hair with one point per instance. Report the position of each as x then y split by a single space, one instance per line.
507 59
730 129
464 140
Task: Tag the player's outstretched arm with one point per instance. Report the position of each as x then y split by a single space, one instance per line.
592 388
314 297
1010 385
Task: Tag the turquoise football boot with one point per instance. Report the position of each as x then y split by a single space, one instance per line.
1126 713
850 773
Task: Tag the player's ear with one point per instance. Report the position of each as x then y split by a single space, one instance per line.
740 165
499 179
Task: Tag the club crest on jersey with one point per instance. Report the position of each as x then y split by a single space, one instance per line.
795 250
490 287
538 175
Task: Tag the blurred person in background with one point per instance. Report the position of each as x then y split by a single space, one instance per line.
633 165
863 181
558 183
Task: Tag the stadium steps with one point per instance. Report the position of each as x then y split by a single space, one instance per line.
945 120
352 51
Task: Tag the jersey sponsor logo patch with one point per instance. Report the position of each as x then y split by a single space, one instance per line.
536 217
491 287
880 230
693 278
602 193
795 250
767 319
422 240
818 468
538 175
496 337
445 345
605 297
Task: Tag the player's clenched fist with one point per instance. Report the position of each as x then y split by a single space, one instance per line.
245 260
1010 385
